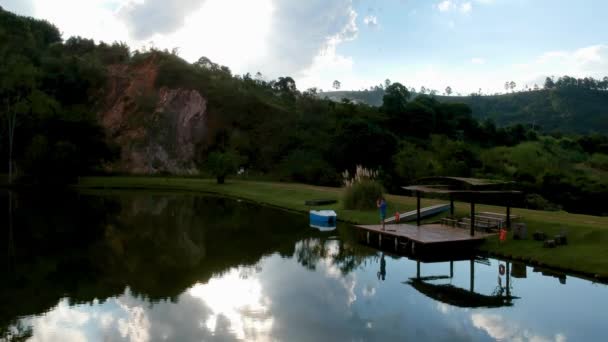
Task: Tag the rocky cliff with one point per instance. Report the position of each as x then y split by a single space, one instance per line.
157 129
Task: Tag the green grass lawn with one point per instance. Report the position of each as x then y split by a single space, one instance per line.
587 251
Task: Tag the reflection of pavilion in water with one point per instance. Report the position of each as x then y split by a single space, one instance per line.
461 297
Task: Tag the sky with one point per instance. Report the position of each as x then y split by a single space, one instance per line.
465 44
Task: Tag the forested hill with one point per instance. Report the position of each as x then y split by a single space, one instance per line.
71 107
564 109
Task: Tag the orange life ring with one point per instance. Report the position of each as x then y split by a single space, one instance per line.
501 269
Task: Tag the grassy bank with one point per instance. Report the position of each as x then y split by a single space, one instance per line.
587 251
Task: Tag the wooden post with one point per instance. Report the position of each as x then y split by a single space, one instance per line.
451 269
508 280
508 217
452 206
418 269
418 208
472 275
472 218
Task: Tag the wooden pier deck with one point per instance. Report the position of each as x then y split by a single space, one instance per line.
425 234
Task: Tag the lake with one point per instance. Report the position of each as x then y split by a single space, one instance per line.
139 266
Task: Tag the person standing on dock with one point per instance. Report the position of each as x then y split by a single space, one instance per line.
381 204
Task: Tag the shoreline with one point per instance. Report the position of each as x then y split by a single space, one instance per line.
585 233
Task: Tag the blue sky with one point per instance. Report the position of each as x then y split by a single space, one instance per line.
466 44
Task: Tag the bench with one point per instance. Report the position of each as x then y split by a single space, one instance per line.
499 215
449 222
478 226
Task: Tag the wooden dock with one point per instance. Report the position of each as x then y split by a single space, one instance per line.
410 239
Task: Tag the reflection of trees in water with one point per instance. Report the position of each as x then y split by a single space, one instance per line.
87 247
344 255
15 332
10 255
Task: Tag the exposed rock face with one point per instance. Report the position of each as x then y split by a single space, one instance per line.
157 129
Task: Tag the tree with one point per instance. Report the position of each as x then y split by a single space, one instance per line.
206 63
512 85
18 79
507 86
549 84
360 142
418 117
259 78
422 90
336 84
222 164
395 99
412 163
536 88
387 83
285 85
448 90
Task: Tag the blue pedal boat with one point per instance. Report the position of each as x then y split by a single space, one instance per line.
323 218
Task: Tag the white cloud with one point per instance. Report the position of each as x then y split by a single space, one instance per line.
466 7
89 19
445 5
455 5
495 326
239 302
502 329
444 308
478 60
583 62
371 21
207 32
300 34
278 37
326 67
157 16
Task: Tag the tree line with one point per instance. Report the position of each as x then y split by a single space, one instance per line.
566 82
273 129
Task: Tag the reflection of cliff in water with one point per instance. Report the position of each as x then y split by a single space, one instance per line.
93 247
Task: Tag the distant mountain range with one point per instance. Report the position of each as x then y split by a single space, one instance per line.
566 110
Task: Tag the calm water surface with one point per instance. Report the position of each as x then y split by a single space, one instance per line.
149 267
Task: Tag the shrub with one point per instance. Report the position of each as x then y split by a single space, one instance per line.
538 202
361 191
599 161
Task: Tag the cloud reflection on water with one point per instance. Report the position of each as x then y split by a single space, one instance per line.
502 329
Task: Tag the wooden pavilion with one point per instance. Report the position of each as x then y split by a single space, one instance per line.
448 235
472 190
